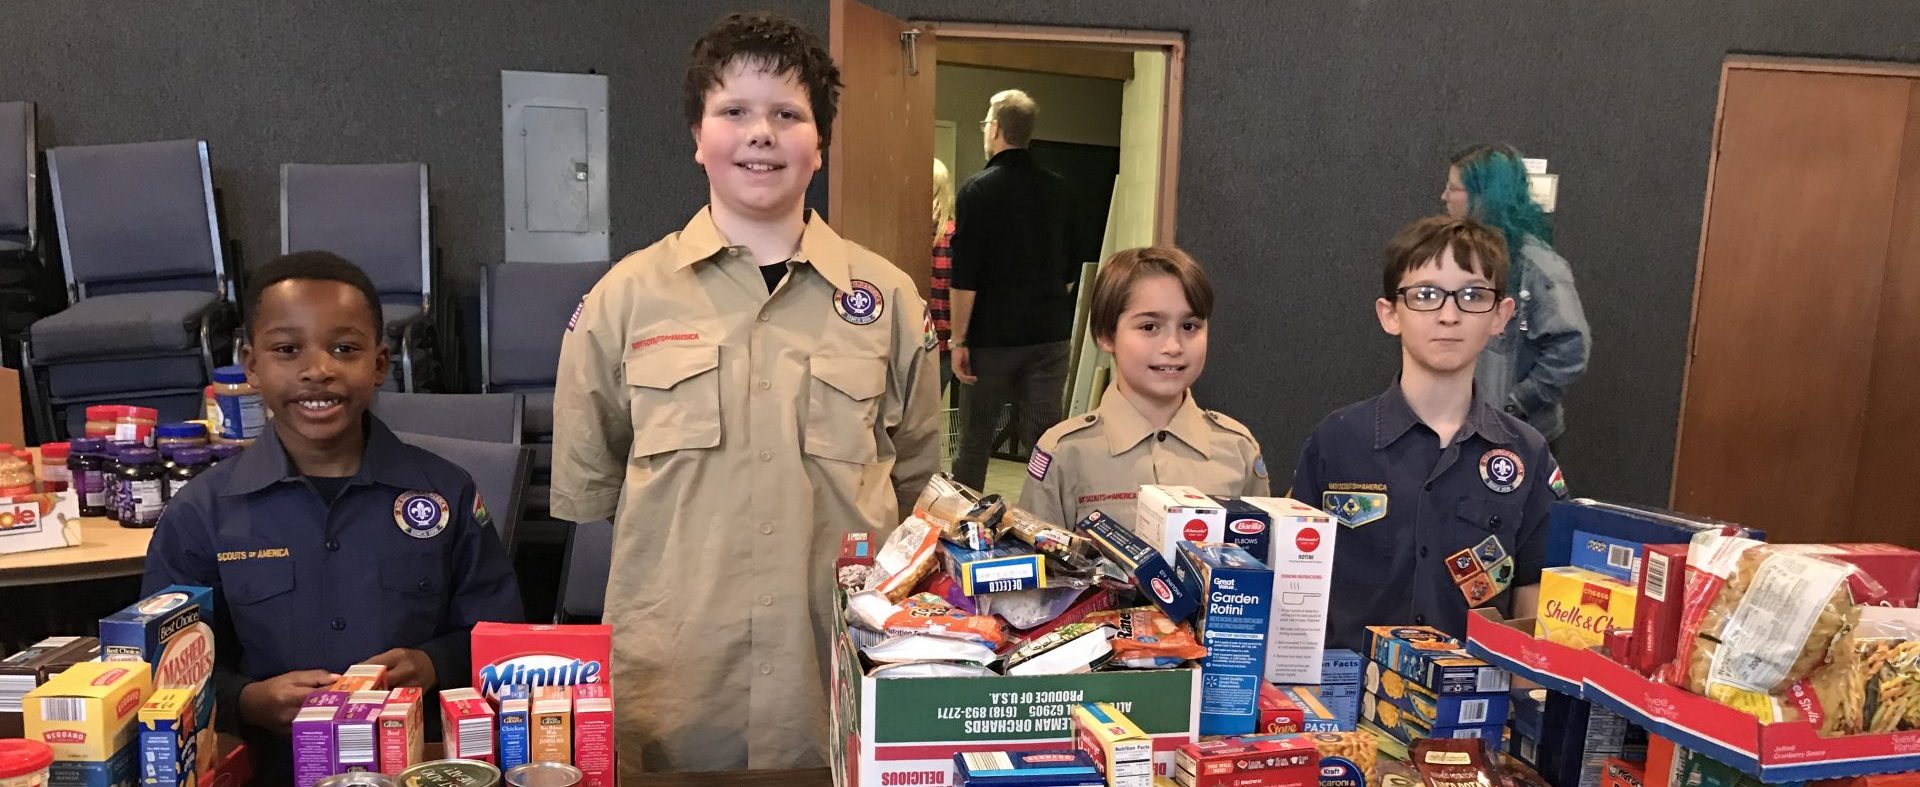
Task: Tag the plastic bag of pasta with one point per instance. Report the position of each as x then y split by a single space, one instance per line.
1872 682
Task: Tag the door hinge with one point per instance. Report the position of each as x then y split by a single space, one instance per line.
910 43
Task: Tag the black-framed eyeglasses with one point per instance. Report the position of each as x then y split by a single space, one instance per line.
1428 298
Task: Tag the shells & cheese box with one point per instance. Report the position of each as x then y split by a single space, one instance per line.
1578 607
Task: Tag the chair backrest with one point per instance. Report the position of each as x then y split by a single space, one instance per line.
493 417
372 214
18 147
138 211
499 472
524 308
583 573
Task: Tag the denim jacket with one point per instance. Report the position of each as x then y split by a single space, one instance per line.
1527 368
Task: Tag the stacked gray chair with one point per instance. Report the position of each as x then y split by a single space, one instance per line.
492 417
151 306
376 216
19 181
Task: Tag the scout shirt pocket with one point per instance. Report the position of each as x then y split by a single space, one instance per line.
673 392
415 591
1480 559
259 596
843 399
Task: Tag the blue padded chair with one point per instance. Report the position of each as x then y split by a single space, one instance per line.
150 303
376 216
493 417
583 573
19 181
524 307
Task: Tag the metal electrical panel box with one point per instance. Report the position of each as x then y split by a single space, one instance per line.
553 139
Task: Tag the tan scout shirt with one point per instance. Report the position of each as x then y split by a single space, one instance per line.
1099 461
733 436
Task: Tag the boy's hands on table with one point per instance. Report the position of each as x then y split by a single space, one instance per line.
407 667
271 704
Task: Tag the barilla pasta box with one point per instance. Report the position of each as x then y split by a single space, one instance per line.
172 631
1005 567
1277 713
1315 714
1248 525
90 712
551 724
167 740
1301 556
1428 657
516 707
361 677
1143 563
593 748
313 740
356 732
1116 744
506 654
1578 607
402 731
1043 768
1279 761
1235 591
1168 515
466 725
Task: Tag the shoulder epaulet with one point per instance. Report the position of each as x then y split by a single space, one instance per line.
1226 422
1052 438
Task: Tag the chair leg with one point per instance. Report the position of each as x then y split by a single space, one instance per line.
40 401
406 359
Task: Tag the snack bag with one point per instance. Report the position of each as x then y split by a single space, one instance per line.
959 513
1147 638
927 613
907 558
1454 762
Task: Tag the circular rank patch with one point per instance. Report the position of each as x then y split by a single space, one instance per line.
862 305
420 514
1501 470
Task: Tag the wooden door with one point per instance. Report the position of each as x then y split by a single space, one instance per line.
880 163
1798 232
1886 474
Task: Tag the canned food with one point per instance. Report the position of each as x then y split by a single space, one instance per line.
451 773
543 774
357 779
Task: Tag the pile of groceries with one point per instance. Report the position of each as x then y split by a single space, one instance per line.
135 706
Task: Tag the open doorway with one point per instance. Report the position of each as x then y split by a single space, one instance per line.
1108 125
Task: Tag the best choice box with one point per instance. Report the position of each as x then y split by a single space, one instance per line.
167 751
172 631
1236 595
1301 556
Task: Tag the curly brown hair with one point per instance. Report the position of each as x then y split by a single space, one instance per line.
773 43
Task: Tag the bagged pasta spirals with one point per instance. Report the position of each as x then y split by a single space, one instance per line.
1872 683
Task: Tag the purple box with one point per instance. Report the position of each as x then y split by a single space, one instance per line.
356 732
313 749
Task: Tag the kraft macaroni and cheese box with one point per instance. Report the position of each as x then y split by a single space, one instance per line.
1606 555
402 732
167 740
1428 657
172 631
120 770
1005 567
1143 562
1301 556
516 706
593 749
356 732
507 654
550 725
1277 713
90 712
313 739
1443 710
1116 744
1235 592
1408 729
1164 516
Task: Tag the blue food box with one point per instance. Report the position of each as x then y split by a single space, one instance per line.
516 742
172 631
1446 710
1043 768
1428 657
1613 557
1143 562
1235 591
1639 524
1002 568
122 770
1248 527
1340 667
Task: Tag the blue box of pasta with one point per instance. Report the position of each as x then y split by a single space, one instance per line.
516 741
1235 592
1613 557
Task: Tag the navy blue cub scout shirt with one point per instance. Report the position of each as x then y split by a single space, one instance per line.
1427 532
404 557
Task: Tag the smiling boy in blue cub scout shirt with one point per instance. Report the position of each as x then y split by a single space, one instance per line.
329 542
1443 499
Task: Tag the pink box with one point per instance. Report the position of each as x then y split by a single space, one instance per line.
402 736
593 746
356 732
313 741
466 726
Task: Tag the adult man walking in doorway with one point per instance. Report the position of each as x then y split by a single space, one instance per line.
1012 307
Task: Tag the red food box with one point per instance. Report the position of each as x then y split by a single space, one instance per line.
1277 713
539 655
1620 645
593 747
1656 612
1623 773
402 737
1895 569
466 725
1659 767
1237 762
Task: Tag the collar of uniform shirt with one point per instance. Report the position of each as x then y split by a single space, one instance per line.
1392 417
1126 427
820 247
384 462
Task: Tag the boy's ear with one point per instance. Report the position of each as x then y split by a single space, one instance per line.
383 361
1105 343
1389 317
1502 314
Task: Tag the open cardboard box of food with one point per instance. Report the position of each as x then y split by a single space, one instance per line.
30 523
1778 752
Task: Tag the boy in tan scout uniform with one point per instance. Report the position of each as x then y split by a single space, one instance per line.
1150 310
735 397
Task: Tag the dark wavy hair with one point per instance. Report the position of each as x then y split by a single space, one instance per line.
1496 181
773 43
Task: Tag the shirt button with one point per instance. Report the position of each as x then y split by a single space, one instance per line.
332 545
766 317
766 669
1512 409
766 599
1419 620
766 456
766 528
1423 551
339 624
424 584
764 385
1429 486
1494 523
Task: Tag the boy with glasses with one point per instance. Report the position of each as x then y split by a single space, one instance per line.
1442 498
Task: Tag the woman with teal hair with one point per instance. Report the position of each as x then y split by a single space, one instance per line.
1527 369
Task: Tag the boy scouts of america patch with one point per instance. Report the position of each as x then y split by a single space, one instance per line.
1354 509
575 319
1037 466
1501 470
420 514
480 513
861 305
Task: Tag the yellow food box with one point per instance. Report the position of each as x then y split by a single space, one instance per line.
1578 607
89 712
1116 744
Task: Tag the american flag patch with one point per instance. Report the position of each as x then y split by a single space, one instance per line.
1037 466
575 319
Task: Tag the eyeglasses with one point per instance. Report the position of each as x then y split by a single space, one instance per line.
984 124
1428 298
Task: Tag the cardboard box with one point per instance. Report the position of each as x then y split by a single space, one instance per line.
593 743
1168 515
1236 762
466 725
1300 553
535 655
39 521
1896 570
1236 595
361 677
1277 713
120 770
1428 657
1053 767
356 732
1123 752
168 756
21 672
1578 607
314 745
1624 773
551 724
1637 524
1316 715
1659 765
1618 558
1339 667
89 712
516 710
1007 567
1443 710
1142 562
1407 728
402 731
172 631
1249 526
1658 603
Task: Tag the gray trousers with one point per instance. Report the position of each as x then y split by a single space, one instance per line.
1031 377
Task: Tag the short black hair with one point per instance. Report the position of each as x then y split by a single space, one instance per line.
770 41
313 266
